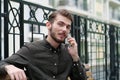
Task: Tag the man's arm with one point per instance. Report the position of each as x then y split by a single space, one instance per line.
15 73
3 73
78 71
13 65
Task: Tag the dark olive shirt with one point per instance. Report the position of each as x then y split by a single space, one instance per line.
43 62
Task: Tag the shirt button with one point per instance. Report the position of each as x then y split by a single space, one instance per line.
54 51
53 76
55 64
74 64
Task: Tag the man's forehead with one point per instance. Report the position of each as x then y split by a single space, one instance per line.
64 22
61 18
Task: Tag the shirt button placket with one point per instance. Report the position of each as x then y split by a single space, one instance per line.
55 64
54 51
55 60
54 77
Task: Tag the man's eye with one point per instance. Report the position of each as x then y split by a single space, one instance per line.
60 24
68 27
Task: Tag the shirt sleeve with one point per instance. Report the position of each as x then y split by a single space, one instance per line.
19 59
2 69
78 71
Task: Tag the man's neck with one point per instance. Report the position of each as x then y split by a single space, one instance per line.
52 42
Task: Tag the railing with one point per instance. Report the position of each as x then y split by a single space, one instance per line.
98 42
0 30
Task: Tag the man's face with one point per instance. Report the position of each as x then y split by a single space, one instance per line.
60 28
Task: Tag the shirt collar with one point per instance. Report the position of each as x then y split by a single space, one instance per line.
48 45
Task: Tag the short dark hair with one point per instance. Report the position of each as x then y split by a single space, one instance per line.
62 12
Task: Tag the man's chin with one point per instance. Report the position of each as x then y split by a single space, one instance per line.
60 41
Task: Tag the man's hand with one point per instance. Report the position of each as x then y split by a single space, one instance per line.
73 49
15 73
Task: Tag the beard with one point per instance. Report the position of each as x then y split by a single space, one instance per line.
52 34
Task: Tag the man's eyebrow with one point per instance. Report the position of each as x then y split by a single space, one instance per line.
64 23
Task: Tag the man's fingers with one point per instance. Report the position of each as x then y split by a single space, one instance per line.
24 76
11 76
18 76
15 73
72 41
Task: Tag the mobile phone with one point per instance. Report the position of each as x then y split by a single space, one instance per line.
66 41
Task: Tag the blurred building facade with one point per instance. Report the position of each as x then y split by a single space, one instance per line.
105 10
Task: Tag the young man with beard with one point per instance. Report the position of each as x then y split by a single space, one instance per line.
48 59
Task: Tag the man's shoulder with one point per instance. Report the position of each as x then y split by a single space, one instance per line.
37 42
34 44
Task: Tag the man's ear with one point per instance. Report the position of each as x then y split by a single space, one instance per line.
48 25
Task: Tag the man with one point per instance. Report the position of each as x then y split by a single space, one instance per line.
48 59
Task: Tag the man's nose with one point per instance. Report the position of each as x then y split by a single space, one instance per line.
64 28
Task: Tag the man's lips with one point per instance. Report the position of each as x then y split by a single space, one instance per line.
62 35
